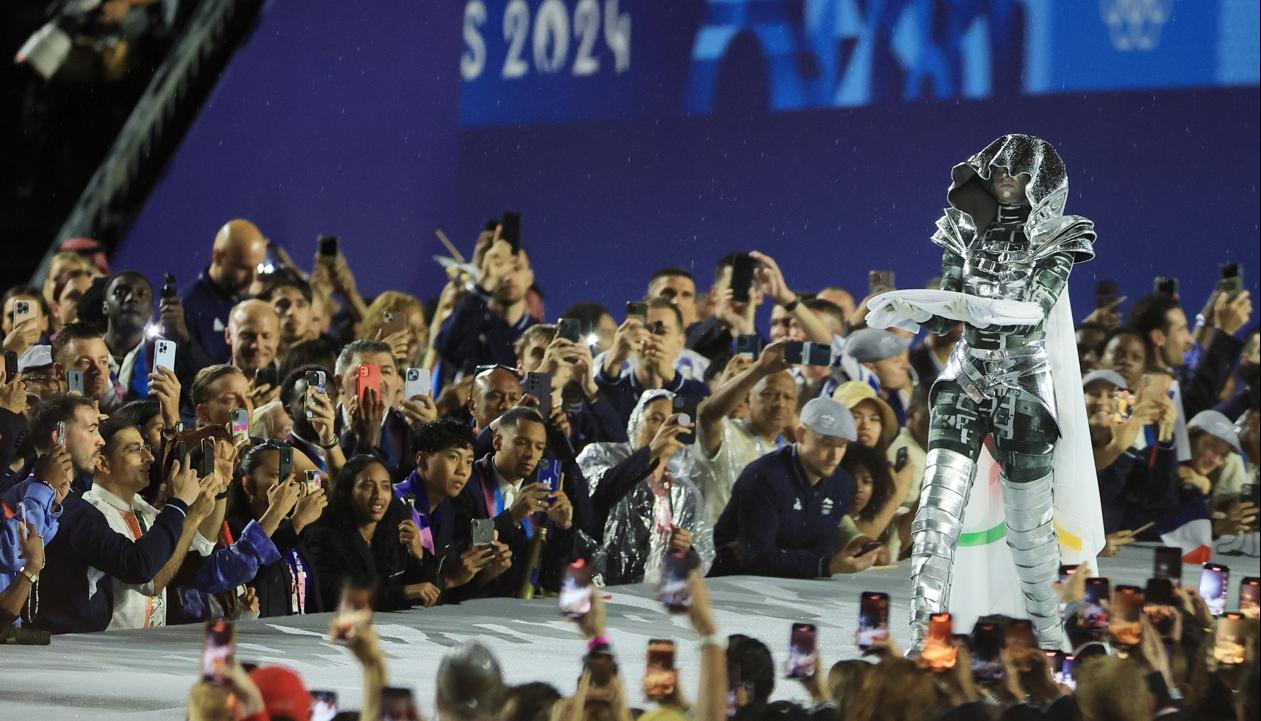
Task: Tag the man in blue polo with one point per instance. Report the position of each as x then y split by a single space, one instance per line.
784 509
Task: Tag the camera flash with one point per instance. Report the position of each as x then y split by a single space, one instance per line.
684 419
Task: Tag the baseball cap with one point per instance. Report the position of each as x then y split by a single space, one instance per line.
1104 374
1217 425
469 680
284 694
829 418
37 356
868 345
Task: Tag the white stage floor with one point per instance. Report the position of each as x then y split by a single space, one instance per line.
137 675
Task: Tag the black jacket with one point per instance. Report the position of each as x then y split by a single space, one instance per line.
339 554
273 582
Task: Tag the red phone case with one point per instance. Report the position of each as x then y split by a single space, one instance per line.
368 376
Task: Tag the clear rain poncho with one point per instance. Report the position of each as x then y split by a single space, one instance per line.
637 531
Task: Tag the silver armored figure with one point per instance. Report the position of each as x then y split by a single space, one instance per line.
1005 237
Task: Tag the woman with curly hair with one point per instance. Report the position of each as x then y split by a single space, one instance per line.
398 319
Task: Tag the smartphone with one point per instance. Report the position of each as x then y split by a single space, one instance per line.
164 354
1165 285
1214 587
575 590
368 376
354 611
10 364
637 309
742 277
939 651
398 704
323 705
392 323
61 434
1125 620
286 462
1229 645
749 345
879 281
868 547
549 474
1250 597
483 531
794 352
1159 605
22 310
74 380
987 643
1094 611
903 457
1232 280
1066 571
240 425
816 354
327 247
169 288
803 654
1167 563
1106 293
317 381
312 482
539 386
1064 674
511 223
571 328
660 676
22 512
873 619
1019 632
416 382
219 650
675 587
686 406
206 464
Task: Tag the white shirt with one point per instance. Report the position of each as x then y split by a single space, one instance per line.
716 475
508 491
135 606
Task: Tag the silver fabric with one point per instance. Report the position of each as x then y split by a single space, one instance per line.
634 547
988 374
938 522
1030 508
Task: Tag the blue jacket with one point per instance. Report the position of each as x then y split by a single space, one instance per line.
777 524
70 602
476 335
37 498
623 392
204 304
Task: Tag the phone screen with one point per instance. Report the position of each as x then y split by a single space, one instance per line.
398 704
1250 597
323 705
939 651
675 589
575 590
1158 605
219 650
1095 611
1214 587
1125 623
873 619
660 676
1064 674
803 655
987 642
1167 563
354 611
1229 647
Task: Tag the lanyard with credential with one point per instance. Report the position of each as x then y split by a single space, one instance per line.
297 584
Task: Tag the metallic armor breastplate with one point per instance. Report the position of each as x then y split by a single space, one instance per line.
1000 263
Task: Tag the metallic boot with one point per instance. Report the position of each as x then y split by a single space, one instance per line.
935 534
1030 510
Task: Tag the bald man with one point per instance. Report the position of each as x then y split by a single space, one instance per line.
724 446
253 334
239 247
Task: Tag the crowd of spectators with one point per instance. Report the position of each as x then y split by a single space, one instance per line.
250 444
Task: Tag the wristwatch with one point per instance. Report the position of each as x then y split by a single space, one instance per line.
169 432
32 577
790 307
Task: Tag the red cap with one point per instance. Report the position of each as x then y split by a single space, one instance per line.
283 692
